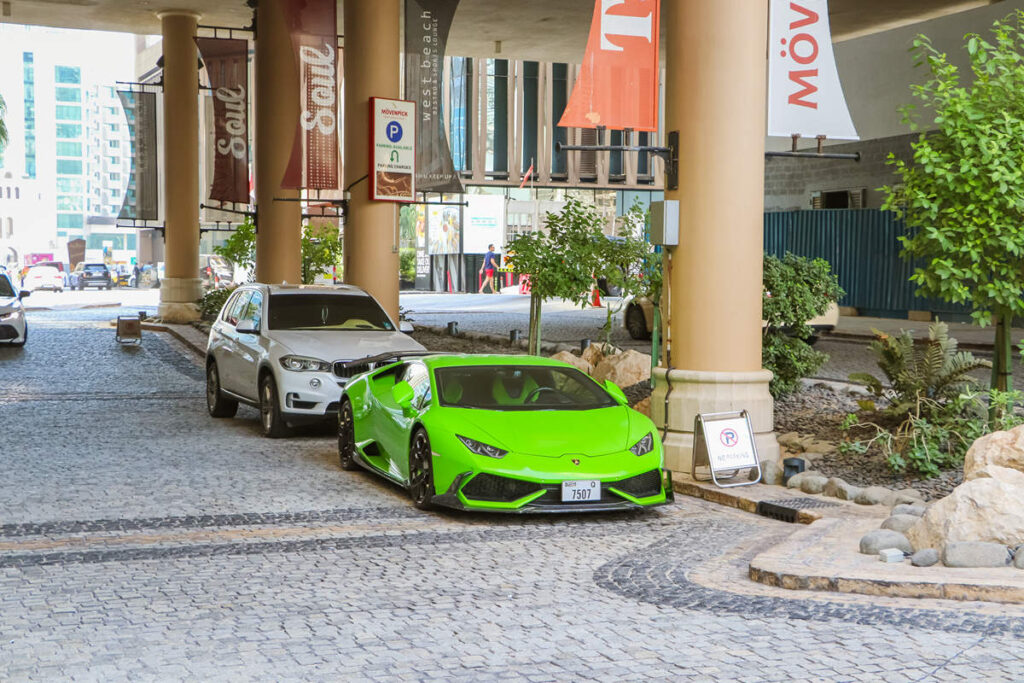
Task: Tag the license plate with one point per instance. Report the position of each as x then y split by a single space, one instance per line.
581 490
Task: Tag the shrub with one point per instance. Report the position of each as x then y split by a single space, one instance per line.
407 263
212 302
796 290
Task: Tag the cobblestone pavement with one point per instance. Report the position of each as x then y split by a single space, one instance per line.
141 540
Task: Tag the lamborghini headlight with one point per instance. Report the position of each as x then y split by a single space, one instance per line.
643 446
303 364
481 448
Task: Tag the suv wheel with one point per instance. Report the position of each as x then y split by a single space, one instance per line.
636 323
273 423
216 403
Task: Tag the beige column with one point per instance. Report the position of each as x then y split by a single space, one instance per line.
278 223
180 288
714 96
371 70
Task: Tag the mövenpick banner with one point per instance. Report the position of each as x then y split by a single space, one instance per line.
618 83
314 164
805 96
227 67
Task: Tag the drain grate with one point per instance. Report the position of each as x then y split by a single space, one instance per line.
788 509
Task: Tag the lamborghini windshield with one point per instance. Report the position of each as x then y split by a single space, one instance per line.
519 387
326 312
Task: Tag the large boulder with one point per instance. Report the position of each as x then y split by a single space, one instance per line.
986 508
574 360
624 369
1002 449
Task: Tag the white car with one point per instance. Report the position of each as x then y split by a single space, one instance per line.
43 277
282 349
13 328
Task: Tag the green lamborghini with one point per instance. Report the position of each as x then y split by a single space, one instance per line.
500 434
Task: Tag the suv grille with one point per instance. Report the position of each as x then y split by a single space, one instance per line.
341 371
493 488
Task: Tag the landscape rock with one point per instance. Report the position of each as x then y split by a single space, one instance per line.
813 484
1005 474
624 369
900 523
837 488
925 557
1018 558
875 495
975 554
771 473
595 353
790 441
880 539
904 509
644 407
982 509
795 481
903 499
1002 449
574 360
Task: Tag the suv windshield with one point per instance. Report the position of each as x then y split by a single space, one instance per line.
6 289
325 312
519 387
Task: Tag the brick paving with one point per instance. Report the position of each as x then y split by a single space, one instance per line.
142 540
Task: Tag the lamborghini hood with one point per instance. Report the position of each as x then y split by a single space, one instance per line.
550 433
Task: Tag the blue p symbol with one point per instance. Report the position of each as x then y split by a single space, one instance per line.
394 131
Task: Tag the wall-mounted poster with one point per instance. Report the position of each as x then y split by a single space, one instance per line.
393 150
443 229
485 222
421 226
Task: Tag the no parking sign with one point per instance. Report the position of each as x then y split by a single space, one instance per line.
724 442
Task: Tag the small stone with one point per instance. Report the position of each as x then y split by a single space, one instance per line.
795 481
890 555
905 509
874 495
925 558
837 488
790 441
813 484
900 523
876 540
771 473
1018 558
975 554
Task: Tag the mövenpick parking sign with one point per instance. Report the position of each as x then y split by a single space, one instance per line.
392 150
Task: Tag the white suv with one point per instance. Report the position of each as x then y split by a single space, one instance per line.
282 348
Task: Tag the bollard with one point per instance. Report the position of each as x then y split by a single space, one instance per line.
453 328
584 343
791 466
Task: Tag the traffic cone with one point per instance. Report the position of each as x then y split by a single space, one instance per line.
596 301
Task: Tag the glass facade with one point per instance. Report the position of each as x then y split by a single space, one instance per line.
461 107
68 113
67 74
29 80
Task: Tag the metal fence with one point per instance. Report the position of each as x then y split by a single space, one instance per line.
863 248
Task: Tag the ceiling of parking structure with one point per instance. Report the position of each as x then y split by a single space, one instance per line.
543 30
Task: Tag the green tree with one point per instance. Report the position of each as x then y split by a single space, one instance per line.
621 261
560 262
321 249
963 194
240 247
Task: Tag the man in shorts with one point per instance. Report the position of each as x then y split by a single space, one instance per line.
487 269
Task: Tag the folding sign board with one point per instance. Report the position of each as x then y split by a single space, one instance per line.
724 442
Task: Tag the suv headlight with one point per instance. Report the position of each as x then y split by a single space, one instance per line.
304 364
481 448
643 446
13 315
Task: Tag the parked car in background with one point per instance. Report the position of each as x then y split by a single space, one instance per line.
215 271
13 327
90 275
123 275
283 349
43 277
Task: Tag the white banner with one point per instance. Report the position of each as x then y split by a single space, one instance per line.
804 93
485 223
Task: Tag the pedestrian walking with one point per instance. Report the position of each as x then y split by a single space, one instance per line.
491 261
135 275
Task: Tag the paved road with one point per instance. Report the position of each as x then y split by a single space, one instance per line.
142 540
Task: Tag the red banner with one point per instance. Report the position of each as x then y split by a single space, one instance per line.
618 83
313 25
227 67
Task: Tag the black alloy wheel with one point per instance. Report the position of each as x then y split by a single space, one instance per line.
273 423
421 471
346 437
636 323
216 403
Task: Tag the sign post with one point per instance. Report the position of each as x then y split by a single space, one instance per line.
724 442
392 150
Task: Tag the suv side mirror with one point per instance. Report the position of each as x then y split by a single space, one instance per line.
247 326
403 395
24 293
615 392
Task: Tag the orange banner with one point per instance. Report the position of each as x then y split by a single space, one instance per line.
618 83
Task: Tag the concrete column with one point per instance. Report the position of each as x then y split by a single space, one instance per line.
278 223
371 70
180 288
714 95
